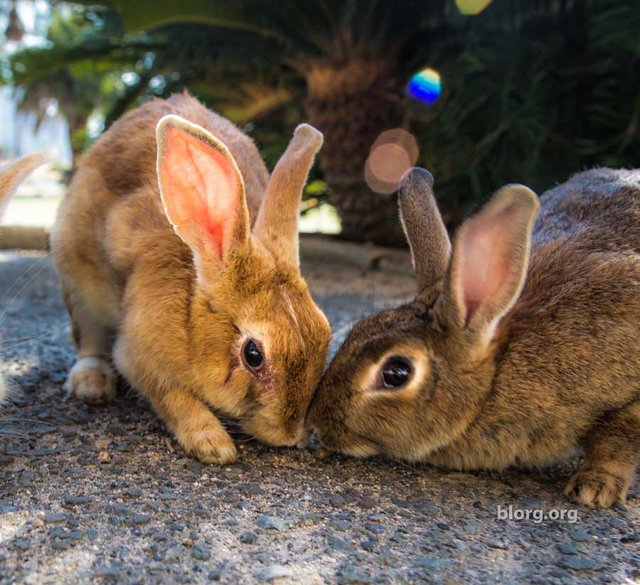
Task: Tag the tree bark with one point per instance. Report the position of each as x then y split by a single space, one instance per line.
352 104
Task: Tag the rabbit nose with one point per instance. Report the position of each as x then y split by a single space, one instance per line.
320 448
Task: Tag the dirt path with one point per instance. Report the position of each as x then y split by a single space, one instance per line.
105 495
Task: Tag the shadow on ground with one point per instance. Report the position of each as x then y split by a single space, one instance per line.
105 495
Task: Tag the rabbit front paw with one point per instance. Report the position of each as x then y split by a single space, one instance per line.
209 444
93 381
596 488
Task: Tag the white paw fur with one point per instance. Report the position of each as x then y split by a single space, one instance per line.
92 380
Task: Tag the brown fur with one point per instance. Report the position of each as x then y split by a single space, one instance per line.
561 371
174 329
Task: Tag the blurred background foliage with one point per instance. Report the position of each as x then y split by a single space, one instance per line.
532 90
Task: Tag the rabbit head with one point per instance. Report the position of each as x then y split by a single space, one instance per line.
257 326
407 381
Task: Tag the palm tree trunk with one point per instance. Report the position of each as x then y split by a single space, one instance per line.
77 120
352 104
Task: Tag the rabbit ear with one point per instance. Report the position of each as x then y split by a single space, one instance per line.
11 174
428 238
202 189
277 221
490 259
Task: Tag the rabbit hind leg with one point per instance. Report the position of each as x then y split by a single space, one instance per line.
612 452
92 379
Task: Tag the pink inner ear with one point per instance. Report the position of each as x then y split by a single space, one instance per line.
201 191
487 264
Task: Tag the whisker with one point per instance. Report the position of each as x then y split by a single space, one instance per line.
17 341
21 419
14 433
35 264
20 290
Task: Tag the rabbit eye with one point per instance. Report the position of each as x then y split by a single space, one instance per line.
396 372
252 356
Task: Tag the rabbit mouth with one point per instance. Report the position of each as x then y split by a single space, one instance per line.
271 433
351 444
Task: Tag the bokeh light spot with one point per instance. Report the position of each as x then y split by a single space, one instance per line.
472 7
394 152
425 86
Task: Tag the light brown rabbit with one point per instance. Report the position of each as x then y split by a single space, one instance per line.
12 173
181 263
522 345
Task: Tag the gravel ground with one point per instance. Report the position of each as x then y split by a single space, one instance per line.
106 495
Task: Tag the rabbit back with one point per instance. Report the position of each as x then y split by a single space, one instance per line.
126 153
597 210
568 350
113 212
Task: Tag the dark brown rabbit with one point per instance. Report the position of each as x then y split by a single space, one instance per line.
522 345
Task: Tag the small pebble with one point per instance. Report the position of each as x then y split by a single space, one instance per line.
271 523
338 544
580 536
173 554
76 500
568 548
104 457
276 572
367 503
200 552
352 577
337 500
428 508
22 544
55 517
112 571
133 492
430 563
631 538
60 544
230 522
75 534
618 522
140 518
369 543
248 538
216 574
309 519
577 563
472 526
